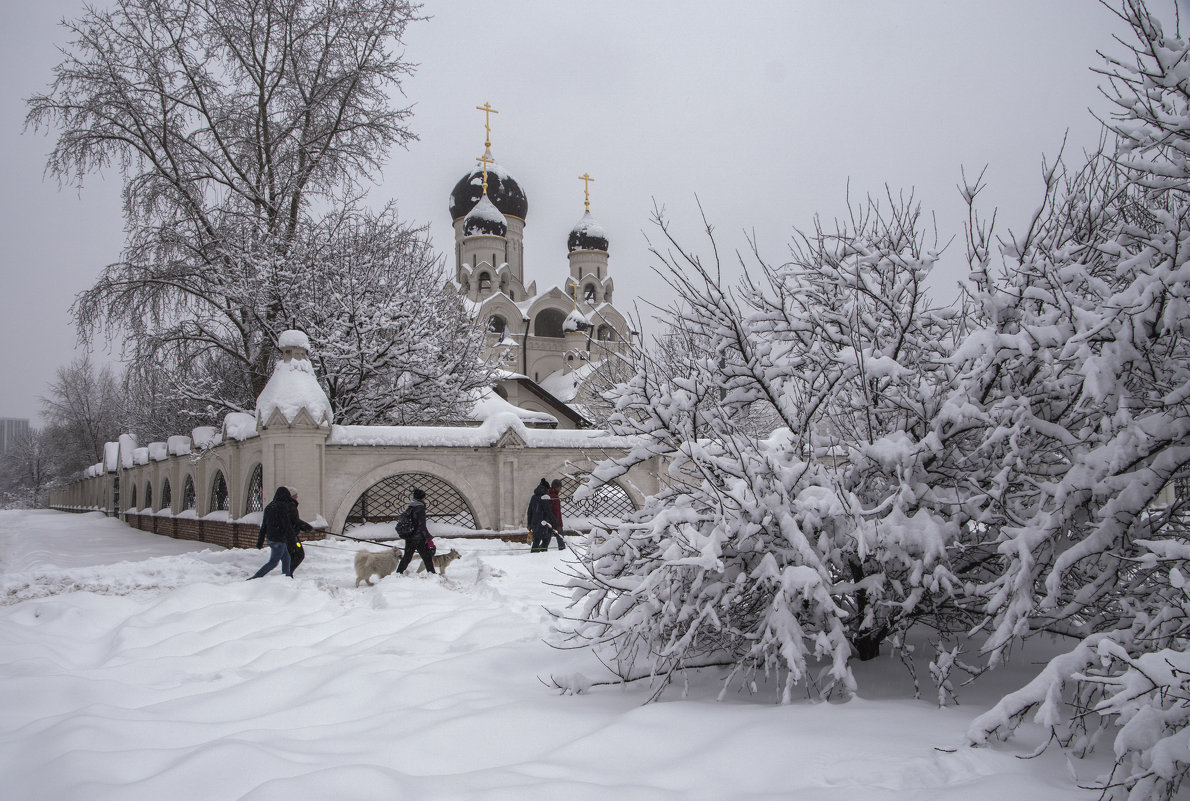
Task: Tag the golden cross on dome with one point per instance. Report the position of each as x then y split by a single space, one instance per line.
586 179
485 159
488 111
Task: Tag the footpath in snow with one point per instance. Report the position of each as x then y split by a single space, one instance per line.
138 668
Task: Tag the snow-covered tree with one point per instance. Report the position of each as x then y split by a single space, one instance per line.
244 133
773 553
1080 377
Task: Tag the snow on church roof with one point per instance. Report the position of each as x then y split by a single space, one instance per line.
576 321
291 388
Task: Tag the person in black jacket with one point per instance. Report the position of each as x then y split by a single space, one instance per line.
296 552
420 538
277 527
541 518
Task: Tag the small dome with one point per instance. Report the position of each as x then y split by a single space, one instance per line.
485 218
587 235
505 193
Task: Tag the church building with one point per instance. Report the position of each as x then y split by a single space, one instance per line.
550 344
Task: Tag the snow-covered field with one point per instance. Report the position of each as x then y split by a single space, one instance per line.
134 667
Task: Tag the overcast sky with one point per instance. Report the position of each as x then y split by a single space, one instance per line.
764 111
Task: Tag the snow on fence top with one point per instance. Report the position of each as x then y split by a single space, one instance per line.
111 457
140 456
205 437
127 444
481 436
158 451
178 445
239 426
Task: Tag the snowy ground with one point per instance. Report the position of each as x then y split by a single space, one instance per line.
135 667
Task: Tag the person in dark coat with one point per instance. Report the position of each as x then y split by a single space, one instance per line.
556 507
276 526
419 540
296 552
540 518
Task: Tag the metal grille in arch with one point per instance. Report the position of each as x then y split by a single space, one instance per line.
385 500
607 501
255 491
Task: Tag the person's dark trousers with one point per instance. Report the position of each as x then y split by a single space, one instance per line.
558 536
423 550
278 552
541 537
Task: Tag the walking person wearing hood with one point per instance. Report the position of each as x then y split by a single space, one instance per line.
277 527
541 518
419 538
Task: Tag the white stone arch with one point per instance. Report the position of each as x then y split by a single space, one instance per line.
484 512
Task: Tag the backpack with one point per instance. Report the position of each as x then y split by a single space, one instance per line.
405 524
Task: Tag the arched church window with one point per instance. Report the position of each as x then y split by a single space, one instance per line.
496 325
589 293
549 323
485 283
606 333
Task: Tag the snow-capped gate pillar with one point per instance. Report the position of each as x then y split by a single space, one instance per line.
293 417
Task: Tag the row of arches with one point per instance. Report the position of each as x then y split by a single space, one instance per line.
549 323
385 500
217 500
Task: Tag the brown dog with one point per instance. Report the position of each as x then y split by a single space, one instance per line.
441 560
380 563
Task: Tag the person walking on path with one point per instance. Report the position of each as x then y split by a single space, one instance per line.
276 526
419 539
296 552
540 518
556 507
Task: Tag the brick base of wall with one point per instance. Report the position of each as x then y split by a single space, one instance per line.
216 532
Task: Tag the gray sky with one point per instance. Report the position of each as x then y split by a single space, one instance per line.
764 111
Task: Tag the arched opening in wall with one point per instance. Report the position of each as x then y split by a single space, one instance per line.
255 493
148 496
609 501
218 493
485 284
115 507
188 494
132 498
605 333
549 323
589 293
497 325
384 501
167 500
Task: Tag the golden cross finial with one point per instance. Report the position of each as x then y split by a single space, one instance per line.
586 179
488 111
485 159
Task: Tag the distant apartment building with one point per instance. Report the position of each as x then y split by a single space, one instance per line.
12 431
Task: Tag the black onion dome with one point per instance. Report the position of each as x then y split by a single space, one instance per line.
503 189
587 235
485 218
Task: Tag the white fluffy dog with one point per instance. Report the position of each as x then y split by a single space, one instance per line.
379 563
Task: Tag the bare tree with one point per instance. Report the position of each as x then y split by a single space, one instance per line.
244 130
82 410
